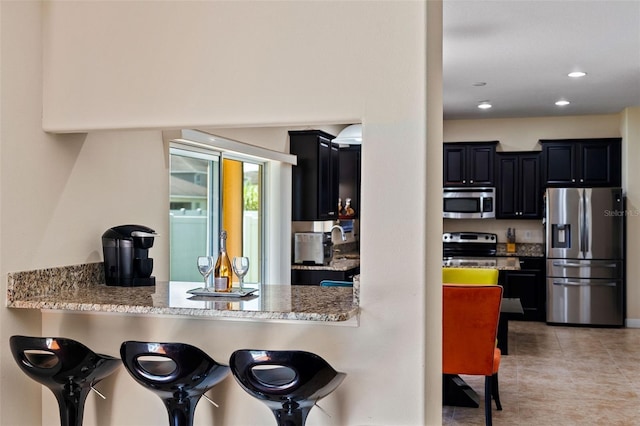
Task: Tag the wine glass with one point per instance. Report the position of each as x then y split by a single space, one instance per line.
240 265
205 267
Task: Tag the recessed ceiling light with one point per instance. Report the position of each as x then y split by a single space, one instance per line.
562 102
577 74
484 105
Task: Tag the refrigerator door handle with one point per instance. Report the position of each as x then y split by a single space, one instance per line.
584 284
587 221
582 265
581 224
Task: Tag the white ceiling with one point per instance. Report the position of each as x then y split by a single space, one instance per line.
523 51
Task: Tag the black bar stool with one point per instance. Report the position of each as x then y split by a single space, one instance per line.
67 367
288 382
177 372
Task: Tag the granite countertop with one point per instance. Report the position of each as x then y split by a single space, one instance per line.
340 263
82 288
500 263
522 250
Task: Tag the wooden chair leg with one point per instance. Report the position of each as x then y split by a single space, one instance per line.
487 400
494 391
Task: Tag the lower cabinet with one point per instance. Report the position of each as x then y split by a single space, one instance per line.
314 276
527 284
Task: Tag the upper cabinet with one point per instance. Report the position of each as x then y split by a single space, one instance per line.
518 185
582 162
469 163
349 177
315 177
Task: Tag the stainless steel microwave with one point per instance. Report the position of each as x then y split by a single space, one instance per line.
469 203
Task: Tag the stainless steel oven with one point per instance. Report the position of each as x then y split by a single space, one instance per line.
469 249
469 203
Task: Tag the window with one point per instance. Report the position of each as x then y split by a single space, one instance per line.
194 218
217 183
212 190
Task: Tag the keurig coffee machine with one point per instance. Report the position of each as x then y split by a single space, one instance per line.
126 256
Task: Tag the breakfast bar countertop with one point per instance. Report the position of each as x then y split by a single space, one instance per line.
81 288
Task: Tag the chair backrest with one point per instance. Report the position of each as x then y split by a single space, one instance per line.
482 276
469 326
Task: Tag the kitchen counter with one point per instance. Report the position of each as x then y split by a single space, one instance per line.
338 264
501 263
522 250
81 288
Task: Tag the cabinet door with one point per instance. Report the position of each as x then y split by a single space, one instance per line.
600 163
528 285
315 177
313 277
480 165
530 194
454 165
559 164
507 186
518 185
582 162
327 179
349 179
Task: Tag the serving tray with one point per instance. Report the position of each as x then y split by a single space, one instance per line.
213 293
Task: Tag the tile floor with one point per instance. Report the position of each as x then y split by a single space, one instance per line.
562 376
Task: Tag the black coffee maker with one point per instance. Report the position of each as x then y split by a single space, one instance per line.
126 256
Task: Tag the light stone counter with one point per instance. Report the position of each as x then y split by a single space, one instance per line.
339 264
500 263
82 288
522 250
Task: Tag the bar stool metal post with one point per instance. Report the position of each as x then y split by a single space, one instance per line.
177 372
288 382
67 367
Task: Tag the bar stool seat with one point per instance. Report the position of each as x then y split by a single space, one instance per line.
67 367
177 372
288 382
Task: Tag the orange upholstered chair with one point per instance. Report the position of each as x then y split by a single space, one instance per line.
469 276
470 323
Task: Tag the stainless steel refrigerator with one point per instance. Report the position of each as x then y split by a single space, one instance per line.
585 256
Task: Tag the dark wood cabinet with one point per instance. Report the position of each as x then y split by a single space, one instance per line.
315 177
314 276
349 176
469 163
518 185
528 285
582 162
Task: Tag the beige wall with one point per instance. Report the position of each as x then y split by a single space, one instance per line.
166 65
631 183
522 134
